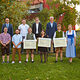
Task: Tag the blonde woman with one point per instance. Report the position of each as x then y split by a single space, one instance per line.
71 43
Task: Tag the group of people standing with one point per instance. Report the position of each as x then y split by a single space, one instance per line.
24 31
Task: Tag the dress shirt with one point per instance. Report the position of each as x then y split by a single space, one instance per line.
17 38
5 37
23 29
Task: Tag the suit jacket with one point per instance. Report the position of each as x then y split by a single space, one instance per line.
10 29
39 28
51 30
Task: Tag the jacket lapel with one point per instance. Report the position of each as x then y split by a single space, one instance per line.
38 27
35 27
50 24
53 24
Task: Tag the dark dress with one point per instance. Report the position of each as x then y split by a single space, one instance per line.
42 49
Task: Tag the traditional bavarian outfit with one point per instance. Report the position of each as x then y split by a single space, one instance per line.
70 50
58 34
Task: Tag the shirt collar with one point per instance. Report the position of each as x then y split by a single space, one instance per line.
59 31
51 23
8 23
23 25
16 34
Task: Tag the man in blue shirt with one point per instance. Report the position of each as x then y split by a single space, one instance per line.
51 29
16 40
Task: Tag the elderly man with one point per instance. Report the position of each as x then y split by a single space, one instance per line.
23 30
9 27
5 39
51 29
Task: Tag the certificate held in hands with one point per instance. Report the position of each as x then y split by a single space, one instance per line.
29 44
44 42
60 42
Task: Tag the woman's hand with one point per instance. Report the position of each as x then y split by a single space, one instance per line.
75 44
52 41
67 41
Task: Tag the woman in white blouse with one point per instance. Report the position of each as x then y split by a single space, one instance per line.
71 43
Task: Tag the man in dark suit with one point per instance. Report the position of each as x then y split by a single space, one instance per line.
51 29
37 28
9 27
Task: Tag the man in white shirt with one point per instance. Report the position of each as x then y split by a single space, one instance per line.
23 30
37 28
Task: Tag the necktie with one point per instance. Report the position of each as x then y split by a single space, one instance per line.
7 25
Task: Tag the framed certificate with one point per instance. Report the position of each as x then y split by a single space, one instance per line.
60 42
44 42
29 44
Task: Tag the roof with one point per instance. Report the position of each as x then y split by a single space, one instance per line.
37 1
33 1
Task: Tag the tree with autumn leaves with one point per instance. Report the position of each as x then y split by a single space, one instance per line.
63 11
14 10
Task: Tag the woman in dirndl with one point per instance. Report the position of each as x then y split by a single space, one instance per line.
71 43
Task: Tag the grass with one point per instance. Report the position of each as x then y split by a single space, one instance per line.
40 71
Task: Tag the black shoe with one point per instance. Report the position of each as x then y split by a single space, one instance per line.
41 61
26 61
44 61
32 61
61 60
70 62
56 61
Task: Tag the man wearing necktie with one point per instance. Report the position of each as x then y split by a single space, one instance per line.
9 26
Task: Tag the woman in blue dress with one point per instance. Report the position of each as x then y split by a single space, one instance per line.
71 43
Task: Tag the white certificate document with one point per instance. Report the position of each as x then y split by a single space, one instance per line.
60 42
44 42
29 44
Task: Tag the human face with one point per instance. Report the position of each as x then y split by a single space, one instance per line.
59 27
7 20
29 30
5 30
42 32
51 19
69 27
37 19
17 31
23 22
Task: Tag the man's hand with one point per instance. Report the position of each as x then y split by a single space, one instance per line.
47 36
15 46
52 41
4 45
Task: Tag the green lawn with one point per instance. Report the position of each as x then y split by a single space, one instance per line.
40 71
